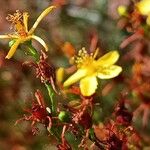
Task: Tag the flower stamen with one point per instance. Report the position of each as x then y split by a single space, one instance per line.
17 22
17 16
83 58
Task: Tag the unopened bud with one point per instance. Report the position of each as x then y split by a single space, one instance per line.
122 10
64 116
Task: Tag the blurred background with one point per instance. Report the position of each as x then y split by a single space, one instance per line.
82 23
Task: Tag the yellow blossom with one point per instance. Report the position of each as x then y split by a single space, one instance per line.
22 34
122 10
144 8
88 69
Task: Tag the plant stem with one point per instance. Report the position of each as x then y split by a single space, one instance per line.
33 52
51 95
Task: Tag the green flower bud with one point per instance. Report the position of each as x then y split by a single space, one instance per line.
64 116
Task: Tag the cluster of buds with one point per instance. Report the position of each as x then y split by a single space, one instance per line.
133 20
118 133
140 87
132 17
44 71
138 24
78 114
39 113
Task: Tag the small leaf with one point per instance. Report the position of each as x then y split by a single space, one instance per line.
11 43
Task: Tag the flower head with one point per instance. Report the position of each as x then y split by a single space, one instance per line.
88 69
144 8
22 34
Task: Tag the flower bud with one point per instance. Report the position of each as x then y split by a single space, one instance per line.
60 75
122 10
64 116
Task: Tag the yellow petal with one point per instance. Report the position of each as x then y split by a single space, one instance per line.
109 72
40 41
25 20
60 75
144 7
13 49
43 14
88 85
79 74
108 59
148 20
8 36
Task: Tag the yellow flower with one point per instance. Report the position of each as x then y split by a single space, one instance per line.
88 69
144 8
22 34
122 10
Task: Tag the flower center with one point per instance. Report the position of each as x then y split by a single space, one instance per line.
83 58
20 29
86 61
